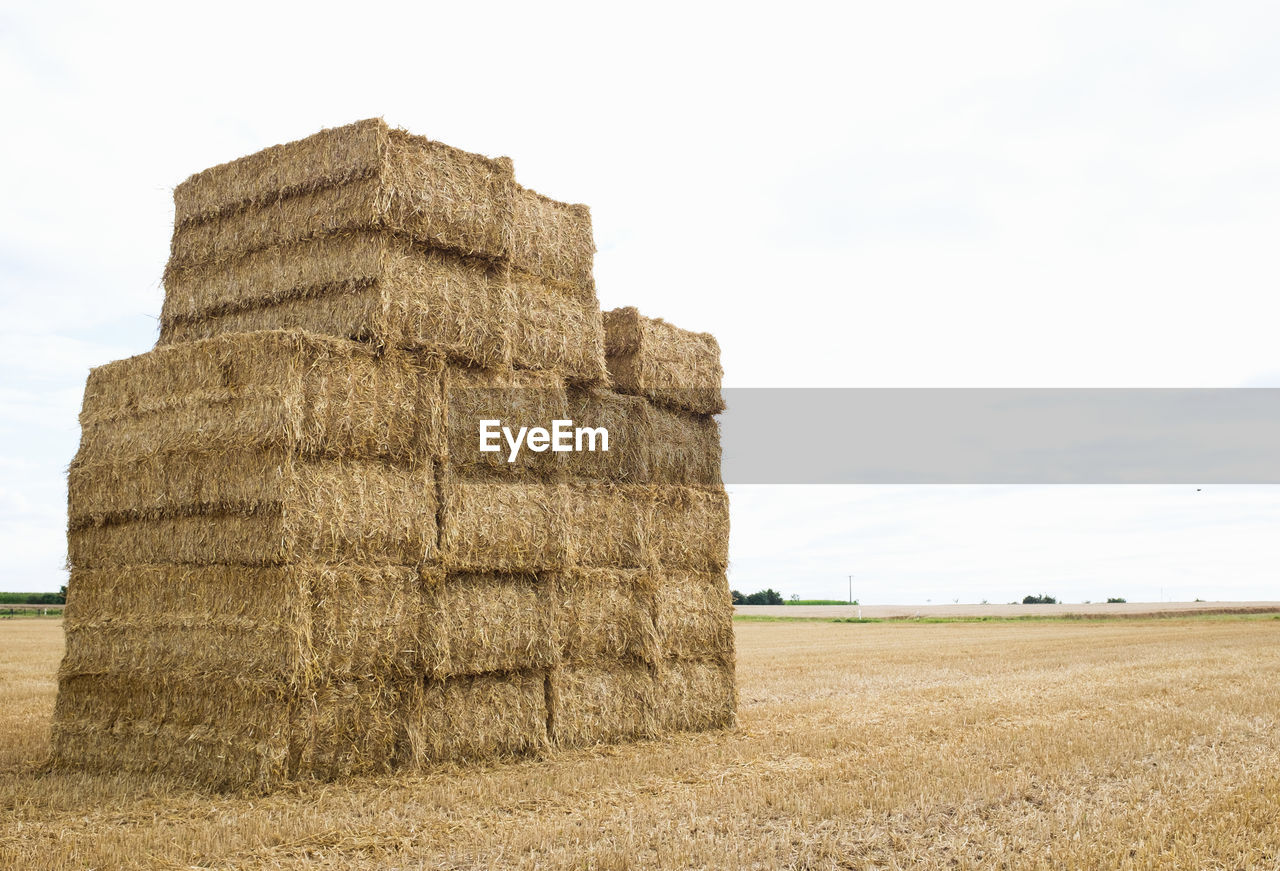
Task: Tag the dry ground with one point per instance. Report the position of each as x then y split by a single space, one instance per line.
1094 744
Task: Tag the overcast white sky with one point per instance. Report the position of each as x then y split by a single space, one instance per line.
916 194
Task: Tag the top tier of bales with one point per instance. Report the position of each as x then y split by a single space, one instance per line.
370 233
368 176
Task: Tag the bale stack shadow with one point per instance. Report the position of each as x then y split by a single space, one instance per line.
290 559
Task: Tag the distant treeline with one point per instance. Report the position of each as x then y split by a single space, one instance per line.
58 598
764 597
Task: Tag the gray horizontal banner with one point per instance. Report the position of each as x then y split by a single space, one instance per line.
1001 436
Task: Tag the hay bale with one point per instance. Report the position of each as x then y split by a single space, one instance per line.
630 436
372 234
693 615
214 730
555 326
476 717
477 623
348 727
365 620
648 444
238 482
326 159
365 286
556 322
322 511
601 703
688 528
284 389
683 448
518 398
606 525
288 622
552 239
650 357
534 526
394 293
230 676
363 176
164 618
694 695
605 615
503 527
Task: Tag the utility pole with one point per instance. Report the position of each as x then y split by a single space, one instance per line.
850 589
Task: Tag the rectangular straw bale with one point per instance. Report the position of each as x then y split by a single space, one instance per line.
652 358
219 732
605 614
285 622
165 618
688 528
203 756
330 511
241 482
647 443
518 398
630 436
346 728
326 159
693 614
695 694
556 322
229 482
285 389
484 716
552 239
607 525
600 703
503 527
523 527
365 619
684 448
475 623
369 287
554 326
363 176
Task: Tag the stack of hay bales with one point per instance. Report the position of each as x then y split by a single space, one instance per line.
289 556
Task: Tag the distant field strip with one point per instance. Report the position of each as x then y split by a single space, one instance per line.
1075 744
1086 609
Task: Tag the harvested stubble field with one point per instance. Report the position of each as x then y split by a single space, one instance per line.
1085 744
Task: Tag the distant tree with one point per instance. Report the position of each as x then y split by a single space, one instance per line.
765 597
738 598
33 598
1116 600
1042 599
795 597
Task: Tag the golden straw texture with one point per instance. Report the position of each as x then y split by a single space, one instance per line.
650 357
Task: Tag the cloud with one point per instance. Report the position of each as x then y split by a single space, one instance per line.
1006 194
911 544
